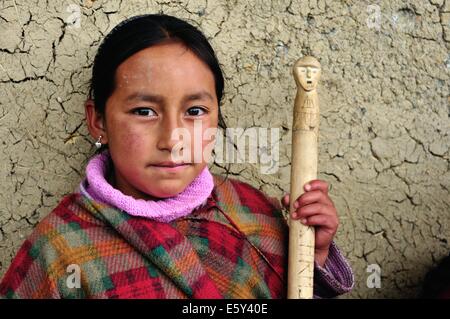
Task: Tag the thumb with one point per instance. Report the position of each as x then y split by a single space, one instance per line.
285 201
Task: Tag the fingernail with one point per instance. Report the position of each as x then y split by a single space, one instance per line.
295 204
303 221
308 187
294 215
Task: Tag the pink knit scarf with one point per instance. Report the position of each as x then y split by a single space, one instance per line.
96 186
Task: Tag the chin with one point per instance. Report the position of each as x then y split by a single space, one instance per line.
168 190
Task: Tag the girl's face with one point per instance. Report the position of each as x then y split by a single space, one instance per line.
158 89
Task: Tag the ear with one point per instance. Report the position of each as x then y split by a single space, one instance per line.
95 121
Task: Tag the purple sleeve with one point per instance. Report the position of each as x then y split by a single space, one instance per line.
335 278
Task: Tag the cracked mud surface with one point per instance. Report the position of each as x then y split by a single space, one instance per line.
385 113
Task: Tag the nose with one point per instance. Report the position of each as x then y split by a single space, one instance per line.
308 72
169 124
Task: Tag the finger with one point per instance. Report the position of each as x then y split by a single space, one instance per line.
309 210
315 196
285 200
314 209
322 221
317 184
317 209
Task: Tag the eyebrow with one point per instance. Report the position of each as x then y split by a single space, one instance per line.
155 98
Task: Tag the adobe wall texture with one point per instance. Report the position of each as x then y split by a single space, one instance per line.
385 112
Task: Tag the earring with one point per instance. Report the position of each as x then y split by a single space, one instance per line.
98 144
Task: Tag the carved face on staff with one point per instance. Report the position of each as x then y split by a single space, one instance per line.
307 72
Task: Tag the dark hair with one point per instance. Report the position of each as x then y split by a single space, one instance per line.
141 32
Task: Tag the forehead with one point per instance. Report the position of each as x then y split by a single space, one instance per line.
308 61
163 64
308 66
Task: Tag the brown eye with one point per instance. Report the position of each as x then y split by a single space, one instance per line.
144 111
196 111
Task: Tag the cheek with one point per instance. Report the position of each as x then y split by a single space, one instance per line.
209 136
209 133
134 142
202 141
129 138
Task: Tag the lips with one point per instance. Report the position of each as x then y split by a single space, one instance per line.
170 167
170 164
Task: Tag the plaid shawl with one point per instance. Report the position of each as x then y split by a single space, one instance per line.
233 247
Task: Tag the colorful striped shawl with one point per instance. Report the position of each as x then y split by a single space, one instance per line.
233 247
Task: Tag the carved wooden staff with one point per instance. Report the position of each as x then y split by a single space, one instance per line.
305 133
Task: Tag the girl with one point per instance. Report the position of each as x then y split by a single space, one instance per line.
143 225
